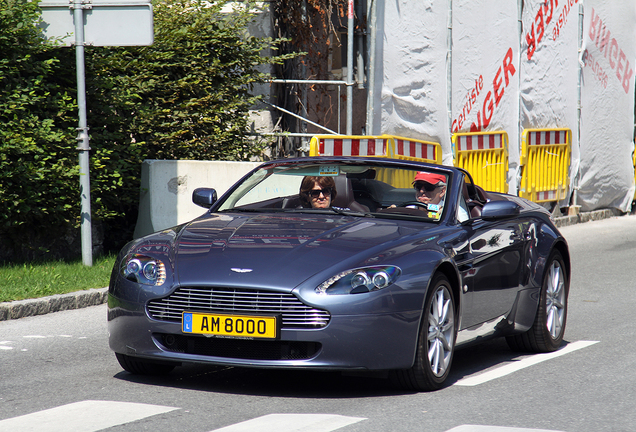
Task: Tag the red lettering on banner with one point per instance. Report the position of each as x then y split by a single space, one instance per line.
611 50
552 4
539 26
563 18
619 69
597 70
604 41
627 77
488 108
627 72
471 99
538 20
496 83
613 53
485 115
532 46
541 20
593 21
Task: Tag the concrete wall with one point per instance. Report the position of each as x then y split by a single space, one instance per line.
165 198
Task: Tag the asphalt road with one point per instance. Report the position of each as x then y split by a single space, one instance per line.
57 373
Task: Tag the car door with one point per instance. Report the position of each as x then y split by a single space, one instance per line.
493 268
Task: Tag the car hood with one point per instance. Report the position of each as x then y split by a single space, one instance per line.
281 250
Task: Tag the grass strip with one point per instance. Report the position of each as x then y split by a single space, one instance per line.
34 280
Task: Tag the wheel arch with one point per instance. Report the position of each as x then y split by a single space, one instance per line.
451 273
562 247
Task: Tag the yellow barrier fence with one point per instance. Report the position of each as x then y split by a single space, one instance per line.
352 145
390 146
416 150
485 156
413 150
393 147
545 164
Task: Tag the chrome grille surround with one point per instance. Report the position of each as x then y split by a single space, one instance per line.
294 313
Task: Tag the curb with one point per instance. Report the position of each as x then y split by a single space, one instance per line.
93 297
55 303
586 217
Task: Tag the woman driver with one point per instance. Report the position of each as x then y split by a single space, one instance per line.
317 192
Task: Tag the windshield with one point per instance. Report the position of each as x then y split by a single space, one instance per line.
373 190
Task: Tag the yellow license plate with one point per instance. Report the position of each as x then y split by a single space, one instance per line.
245 326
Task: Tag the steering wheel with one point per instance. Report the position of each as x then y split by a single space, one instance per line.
414 203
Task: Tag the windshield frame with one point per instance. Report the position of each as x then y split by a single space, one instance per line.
354 168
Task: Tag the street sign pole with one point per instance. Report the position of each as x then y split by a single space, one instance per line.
82 138
95 23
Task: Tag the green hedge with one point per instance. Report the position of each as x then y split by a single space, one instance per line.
185 97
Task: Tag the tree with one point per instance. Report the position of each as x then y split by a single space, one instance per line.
37 125
185 97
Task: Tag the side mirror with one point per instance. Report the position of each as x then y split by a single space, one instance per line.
495 210
204 197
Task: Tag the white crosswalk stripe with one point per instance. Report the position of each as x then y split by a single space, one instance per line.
292 423
94 415
507 369
85 416
480 428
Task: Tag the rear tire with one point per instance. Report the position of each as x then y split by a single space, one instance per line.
137 366
546 334
436 341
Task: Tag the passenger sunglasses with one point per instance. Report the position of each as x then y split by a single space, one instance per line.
315 193
426 186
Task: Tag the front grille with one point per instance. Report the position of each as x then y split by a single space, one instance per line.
237 348
295 314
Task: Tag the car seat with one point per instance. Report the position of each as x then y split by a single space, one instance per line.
345 197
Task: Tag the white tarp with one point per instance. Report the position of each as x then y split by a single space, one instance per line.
503 74
485 64
607 105
549 77
412 71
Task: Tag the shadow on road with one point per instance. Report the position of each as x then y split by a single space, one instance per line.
318 384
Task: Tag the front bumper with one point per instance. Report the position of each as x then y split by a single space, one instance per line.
365 341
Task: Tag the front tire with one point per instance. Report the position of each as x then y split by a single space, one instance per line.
137 366
546 334
436 341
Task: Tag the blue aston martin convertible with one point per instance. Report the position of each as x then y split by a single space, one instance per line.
342 263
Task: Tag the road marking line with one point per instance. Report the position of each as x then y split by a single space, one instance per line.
85 416
292 422
479 428
507 369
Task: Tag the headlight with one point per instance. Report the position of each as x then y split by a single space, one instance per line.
360 280
143 269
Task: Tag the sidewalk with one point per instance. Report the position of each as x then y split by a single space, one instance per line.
93 297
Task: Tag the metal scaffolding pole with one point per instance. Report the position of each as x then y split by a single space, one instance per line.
350 32
371 32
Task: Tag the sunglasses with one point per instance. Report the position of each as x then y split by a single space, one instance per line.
426 186
315 193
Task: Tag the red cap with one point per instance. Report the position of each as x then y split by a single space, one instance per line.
430 177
